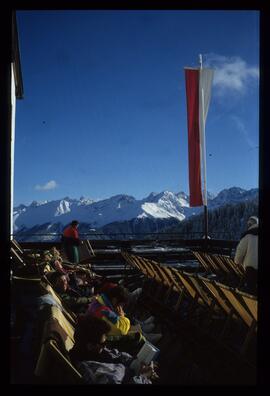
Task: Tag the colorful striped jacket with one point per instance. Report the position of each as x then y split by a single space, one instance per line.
101 307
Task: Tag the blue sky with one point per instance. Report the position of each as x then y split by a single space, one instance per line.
104 108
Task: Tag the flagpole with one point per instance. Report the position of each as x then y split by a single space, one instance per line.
203 152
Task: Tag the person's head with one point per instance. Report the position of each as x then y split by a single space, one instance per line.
58 281
253 220
117 295
47 256
74 224
54 252
91 333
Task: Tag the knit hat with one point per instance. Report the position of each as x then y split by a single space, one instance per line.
253 220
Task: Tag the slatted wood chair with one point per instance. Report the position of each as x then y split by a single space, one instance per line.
204 263
222 302
164 278
216 269
16 246
71 316
222 265
146 268
165 284
234 297
23 264
128 259
250 301
47 286
17 259
27 257
214 290
236 269
199 286
53 364
200 305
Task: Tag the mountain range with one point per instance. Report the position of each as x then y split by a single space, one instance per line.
120 213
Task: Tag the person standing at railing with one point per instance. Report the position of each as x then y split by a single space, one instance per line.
247 254
71 241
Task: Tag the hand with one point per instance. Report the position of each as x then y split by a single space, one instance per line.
149 370
119 310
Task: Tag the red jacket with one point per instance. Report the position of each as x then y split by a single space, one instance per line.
71 232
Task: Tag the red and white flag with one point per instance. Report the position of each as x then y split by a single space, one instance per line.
198 90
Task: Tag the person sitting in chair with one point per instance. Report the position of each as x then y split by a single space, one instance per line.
71 297
97 363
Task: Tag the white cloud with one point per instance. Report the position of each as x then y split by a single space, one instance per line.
231 73
243 130
51 185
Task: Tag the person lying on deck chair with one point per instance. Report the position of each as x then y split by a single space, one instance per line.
80 277
73 298
97 363
109 307
105 284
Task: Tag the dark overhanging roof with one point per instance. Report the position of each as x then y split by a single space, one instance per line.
16 59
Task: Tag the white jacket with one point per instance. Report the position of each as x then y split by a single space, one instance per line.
247 251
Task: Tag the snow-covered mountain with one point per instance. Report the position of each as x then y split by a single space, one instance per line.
233 195
52 216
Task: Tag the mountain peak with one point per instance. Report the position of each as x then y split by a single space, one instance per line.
119 208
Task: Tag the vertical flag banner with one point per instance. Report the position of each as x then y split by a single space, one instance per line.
198 93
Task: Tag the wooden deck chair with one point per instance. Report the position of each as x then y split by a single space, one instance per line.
191 291
147 269
194 296
202 261
177 286
27 280
214 290
250 301
15 245
243 312
23 264
155 270
85 253
135 262
188 287
163 275
47 269
233 298
17 258
150 272
222 264
222 302
91 250
221 269
71 316
160 279
236 269
199 286
53 364
28 257
131 262
168 280
212 264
